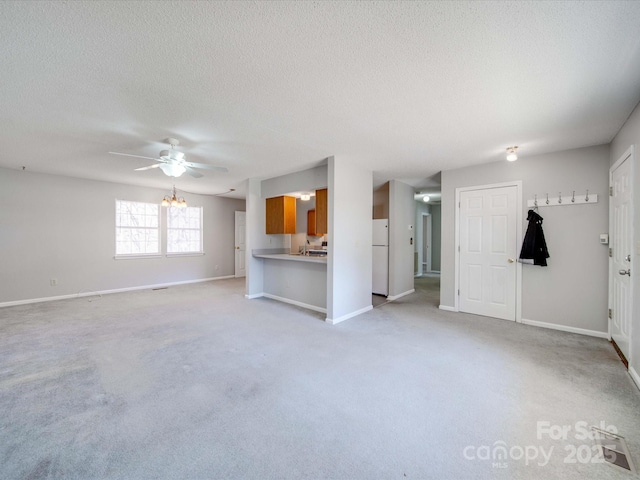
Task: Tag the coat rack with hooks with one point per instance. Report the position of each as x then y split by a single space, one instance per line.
561 199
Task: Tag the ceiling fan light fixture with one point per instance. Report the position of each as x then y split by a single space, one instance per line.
172 169
511 153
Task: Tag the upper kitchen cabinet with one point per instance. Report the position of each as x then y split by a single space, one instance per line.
311 224
322 215
281 215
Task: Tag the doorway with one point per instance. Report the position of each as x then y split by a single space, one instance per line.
620 254
427 233
240 244
488 276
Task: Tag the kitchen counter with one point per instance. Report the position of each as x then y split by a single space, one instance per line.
322 259
297 279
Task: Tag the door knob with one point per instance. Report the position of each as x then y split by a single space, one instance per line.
625 272
511 260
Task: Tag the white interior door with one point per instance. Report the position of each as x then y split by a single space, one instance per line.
621 255
488 252
241 234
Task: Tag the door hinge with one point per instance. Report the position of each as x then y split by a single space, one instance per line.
610 314
611 191
611 252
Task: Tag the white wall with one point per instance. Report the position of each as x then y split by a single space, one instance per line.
629 135
64 228
402 216
572 290
256 238
306 180
349 269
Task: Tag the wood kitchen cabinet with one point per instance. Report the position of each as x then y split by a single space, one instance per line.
322 215
311 224
281 215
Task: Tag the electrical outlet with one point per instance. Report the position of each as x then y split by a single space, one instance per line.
53 282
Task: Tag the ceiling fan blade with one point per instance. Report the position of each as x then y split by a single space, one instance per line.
147 168
205 166
130 155
192 172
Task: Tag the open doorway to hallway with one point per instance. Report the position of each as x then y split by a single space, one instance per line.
428 221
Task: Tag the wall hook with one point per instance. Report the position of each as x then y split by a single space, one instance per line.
535 199
547 199
586 199
559 197
573 197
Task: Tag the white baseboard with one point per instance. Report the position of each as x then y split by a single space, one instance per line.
295 302
107 292
447 308
333 321
254 295
391 298
564 328
634 376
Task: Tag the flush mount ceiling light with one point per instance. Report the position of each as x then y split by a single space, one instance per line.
425 198
511 153
174 200
305 197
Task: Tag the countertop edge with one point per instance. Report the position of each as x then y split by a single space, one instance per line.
293 258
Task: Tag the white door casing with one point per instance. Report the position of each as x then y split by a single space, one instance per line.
488 236
426 243
240 244
621 244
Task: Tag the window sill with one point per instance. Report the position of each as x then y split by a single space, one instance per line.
186 254
135 257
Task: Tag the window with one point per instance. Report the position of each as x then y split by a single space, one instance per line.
137 228
184 230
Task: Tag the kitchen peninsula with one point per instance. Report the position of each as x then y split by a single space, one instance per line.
339 285
297 279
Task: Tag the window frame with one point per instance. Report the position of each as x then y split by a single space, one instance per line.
158 229
200 230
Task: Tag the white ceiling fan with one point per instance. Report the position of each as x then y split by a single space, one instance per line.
172 162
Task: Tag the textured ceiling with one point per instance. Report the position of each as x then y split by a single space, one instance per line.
265 88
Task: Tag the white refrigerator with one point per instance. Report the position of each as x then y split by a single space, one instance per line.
381 257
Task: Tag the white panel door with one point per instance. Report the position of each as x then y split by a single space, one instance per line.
620 264
488 249
241 234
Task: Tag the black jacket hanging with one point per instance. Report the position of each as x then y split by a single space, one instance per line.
534 247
